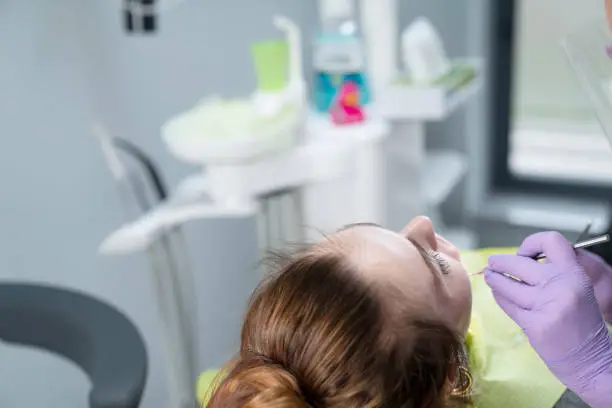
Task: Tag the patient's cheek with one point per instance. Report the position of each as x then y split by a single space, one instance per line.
462 300
447 248
467 316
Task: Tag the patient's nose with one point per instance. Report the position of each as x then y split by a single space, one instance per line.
421 230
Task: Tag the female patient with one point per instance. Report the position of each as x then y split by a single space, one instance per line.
366 318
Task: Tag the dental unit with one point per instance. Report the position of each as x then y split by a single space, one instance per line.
269 143
242 144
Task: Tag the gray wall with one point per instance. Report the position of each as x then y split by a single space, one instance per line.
66 63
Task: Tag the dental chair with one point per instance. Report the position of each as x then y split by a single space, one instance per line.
98 338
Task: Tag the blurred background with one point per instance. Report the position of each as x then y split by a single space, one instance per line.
532 156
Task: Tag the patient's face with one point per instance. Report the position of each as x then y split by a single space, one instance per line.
423 265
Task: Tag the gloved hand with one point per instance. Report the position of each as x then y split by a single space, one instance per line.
556 308
600 274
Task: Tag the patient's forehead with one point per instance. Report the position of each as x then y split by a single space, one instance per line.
369 242
383 256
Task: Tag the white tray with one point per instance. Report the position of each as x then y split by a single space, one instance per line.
197 149
400 101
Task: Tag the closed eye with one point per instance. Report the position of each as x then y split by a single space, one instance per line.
440 261
434 261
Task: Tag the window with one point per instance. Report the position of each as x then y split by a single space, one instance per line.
547 138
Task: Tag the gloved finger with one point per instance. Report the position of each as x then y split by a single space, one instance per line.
552 244
593 266
526 269
518 293
510 308
587 256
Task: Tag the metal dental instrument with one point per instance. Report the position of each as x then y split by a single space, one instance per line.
602 239
587 243
585 233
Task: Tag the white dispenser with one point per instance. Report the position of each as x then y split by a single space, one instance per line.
423 52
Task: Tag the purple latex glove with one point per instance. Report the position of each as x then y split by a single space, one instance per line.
600 274
556 308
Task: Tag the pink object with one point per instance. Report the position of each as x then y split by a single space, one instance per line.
348 108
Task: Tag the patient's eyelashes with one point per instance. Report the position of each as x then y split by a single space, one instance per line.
441 261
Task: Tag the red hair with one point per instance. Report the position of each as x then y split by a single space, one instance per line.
316 335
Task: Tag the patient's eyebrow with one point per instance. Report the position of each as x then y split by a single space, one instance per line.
431 264
358 224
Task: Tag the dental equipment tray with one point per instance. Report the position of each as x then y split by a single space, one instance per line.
405 100
214 132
